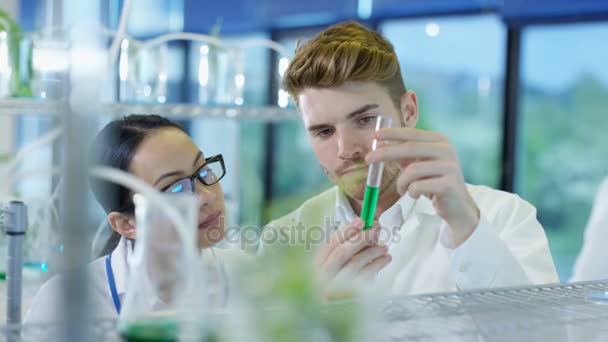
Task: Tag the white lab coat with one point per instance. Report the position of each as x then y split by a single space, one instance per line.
47 306
508 248
592 262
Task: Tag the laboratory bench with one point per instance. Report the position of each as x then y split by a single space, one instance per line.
557 312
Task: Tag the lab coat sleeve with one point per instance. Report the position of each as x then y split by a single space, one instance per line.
508 248
592 263
310 223
45 316
47 305
273 235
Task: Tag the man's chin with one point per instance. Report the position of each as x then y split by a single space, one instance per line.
353 191
352 184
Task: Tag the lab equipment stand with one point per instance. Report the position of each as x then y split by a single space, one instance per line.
14 223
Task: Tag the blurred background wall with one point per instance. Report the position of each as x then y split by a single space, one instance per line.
520 87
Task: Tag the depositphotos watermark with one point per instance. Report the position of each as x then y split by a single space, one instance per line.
296 233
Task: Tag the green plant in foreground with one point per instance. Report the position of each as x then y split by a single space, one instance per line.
282 287
15 36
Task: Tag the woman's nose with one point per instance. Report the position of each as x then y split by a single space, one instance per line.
206 194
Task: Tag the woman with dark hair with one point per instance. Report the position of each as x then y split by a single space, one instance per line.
159 152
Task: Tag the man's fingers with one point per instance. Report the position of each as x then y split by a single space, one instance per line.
340 255
348 231
339 237
411 151
372 269
363 258
423 170
410 134
432 186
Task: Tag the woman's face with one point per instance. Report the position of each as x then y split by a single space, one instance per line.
167 155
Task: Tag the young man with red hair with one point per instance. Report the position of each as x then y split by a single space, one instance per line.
443 234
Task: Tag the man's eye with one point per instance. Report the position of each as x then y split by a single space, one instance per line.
367 119
324 133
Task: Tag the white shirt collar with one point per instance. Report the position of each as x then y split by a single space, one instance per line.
393 218
121 259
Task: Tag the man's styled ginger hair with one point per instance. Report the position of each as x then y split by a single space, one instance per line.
345 52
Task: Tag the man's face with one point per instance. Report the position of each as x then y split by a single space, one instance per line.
341 123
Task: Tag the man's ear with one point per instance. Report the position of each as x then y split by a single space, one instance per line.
122 224
409 109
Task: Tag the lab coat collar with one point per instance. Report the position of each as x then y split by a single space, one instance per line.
121 256
423 206
395 216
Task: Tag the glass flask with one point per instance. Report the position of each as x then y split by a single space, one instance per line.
166 294
142 73
50 53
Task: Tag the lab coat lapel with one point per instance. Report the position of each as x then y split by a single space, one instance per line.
411 246
419 230
120 265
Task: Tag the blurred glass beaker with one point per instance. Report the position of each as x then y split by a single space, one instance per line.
165 299
50 52
142 73
206 74
282 95
238 82
220 77
6 67
15 64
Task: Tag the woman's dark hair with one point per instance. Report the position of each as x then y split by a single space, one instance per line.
114 146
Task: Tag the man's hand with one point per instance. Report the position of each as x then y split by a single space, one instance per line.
430 167
352 254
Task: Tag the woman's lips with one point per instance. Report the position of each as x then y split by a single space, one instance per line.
212 220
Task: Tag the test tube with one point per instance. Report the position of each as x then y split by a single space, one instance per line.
374 179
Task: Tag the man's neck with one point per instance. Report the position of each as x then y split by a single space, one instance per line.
388 197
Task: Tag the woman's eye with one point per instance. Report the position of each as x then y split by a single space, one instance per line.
177 188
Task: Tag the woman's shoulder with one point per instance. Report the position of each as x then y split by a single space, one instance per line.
50 297
232 254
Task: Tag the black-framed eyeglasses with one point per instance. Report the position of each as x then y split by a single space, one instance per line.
210 173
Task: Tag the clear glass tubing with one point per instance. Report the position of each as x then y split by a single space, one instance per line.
374 179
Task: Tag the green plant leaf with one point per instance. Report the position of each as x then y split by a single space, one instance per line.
15 36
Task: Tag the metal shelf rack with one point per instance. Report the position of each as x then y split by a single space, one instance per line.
25 106
558 312
174 111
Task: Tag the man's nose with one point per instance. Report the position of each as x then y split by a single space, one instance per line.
349 146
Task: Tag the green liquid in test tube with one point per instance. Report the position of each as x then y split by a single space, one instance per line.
374 179
159 331
152 331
